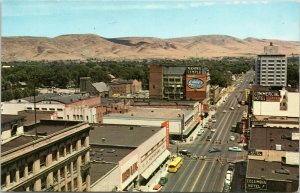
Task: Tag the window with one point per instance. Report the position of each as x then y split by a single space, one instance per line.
43 183
68 117
75 166
14 130
43 161
54 155
74 146
29 108
81 117
87 118
12 176
153 86
59 109
21 171
62 173
30 167
60 118
74 117
51 109
75 182
37 108
55 177
44 109
3 180
82 142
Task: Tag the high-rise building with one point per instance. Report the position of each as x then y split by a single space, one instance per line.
271 67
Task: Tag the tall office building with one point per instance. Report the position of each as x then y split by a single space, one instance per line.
271 67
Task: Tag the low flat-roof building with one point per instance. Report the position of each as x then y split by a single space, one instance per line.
48 156
124 157
182 121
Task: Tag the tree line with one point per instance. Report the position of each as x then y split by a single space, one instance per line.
67 74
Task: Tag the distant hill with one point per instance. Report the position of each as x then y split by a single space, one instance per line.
88 46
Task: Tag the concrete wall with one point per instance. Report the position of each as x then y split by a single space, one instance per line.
292 158
107 182
273 108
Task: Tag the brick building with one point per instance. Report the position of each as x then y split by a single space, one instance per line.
178 82
124 87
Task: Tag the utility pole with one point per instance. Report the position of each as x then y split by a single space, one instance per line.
34 106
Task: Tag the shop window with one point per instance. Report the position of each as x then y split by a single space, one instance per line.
30 167
59 109
43 161
54 155
12 176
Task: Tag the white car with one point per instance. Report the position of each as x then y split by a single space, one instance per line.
238 105
231 108
224 111
213 130
236 149
214 120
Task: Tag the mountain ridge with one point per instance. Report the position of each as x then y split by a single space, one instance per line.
88 46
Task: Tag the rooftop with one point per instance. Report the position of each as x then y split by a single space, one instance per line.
60 97
105 158
257 169
146 112
30 116
269 120
5 118
170 70
44 128
101 86
120 135
268 137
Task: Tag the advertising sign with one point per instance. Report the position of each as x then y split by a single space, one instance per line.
195 83
194 70
255 153
269 96
166 124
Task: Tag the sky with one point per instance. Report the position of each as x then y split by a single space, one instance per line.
152 18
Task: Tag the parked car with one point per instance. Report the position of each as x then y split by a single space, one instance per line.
237 149
231 108
156 188
213 130
214 149
224 111
232 138
214 120
163 181
185 152
238 105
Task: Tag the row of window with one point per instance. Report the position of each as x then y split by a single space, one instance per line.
273 60
147 154
42 158
78 117
45 109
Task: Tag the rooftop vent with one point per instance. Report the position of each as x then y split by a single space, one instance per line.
282 171
103 140
131 128
278 147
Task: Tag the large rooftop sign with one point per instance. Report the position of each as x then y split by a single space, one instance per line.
268 96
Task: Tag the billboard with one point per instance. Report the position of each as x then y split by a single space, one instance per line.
195 82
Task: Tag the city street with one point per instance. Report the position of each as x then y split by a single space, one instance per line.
207 175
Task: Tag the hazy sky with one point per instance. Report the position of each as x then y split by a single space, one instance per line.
146 18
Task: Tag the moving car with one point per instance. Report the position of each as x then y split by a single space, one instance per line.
213 130
163 181
232 138
238 105
236 149
214 120
224 111
231 108
214 149
173 142
185 152
208 138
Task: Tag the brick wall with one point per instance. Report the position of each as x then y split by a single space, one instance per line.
155 82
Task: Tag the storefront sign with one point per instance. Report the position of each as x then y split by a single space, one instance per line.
166 124
256 184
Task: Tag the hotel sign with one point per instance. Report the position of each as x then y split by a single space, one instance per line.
268 96
194 70
256 184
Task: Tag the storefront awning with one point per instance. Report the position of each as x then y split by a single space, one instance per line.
155 164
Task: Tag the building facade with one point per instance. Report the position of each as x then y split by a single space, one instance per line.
178 82
271 68
49 156
124 87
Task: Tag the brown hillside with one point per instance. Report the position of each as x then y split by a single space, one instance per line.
87 46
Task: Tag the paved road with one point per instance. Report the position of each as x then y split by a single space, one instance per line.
208 175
